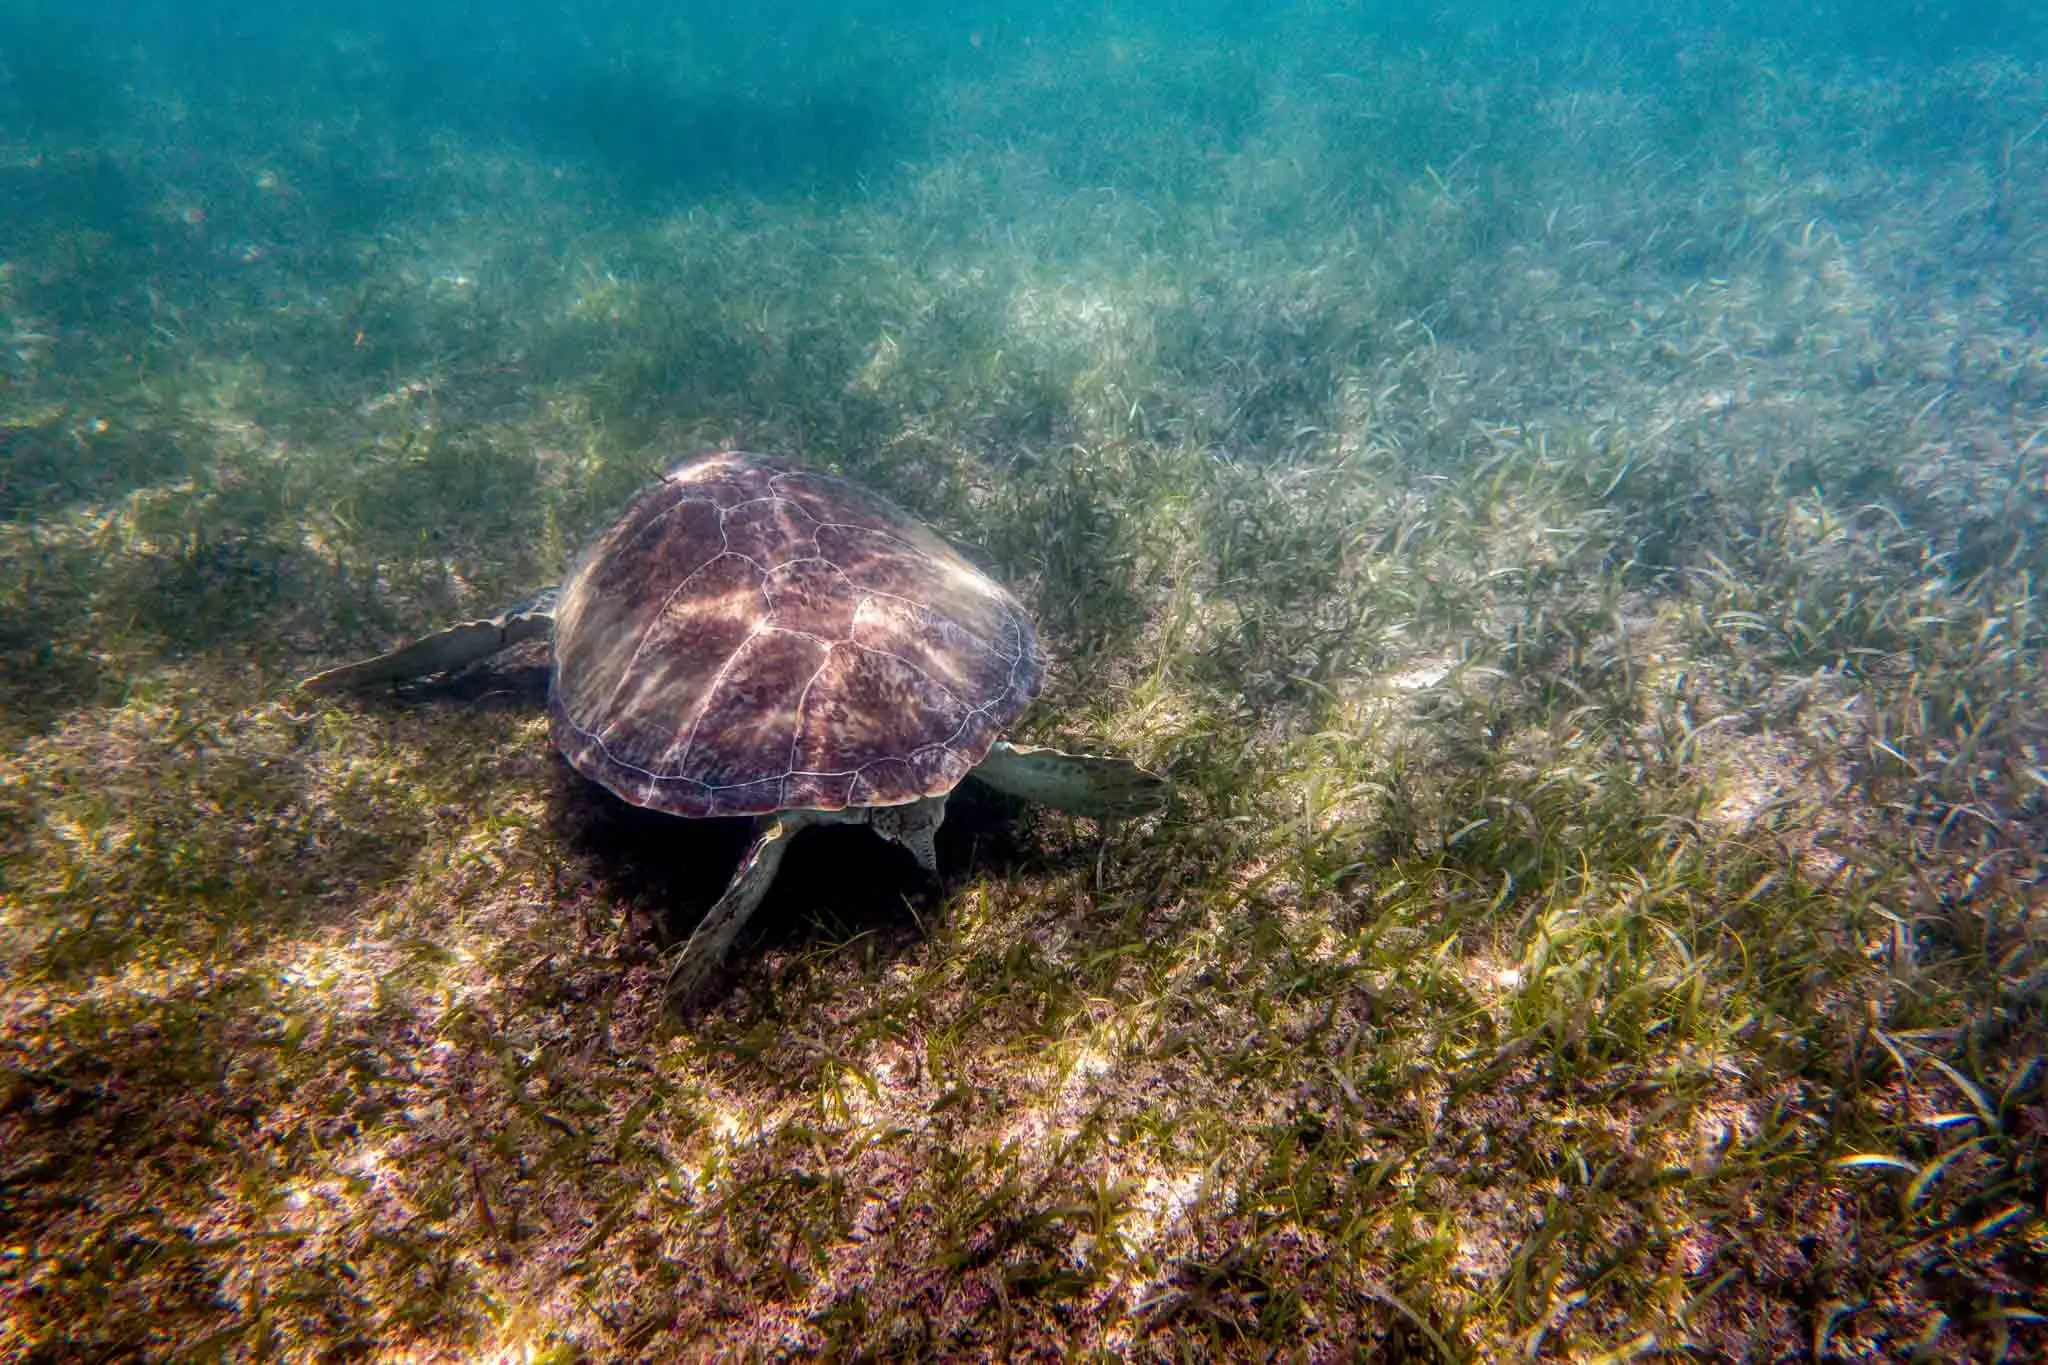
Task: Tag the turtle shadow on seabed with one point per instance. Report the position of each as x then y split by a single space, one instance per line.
840 883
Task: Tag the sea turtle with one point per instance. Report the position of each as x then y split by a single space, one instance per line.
752 637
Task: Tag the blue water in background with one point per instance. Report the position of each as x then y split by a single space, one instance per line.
152 153
667 101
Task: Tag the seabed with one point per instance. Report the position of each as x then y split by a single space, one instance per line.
1572 537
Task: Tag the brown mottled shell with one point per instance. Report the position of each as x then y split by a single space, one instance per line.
753 636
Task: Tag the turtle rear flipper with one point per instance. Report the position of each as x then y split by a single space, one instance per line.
444 651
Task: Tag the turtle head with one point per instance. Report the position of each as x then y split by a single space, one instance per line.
915 826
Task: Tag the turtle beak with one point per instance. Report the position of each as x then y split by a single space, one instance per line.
914 826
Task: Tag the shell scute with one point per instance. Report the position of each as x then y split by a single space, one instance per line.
769 530
810 595
746 727
852 712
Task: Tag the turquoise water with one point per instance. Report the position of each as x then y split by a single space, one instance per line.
1560 490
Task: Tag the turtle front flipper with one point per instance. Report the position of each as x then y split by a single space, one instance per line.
1082 784
444 651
